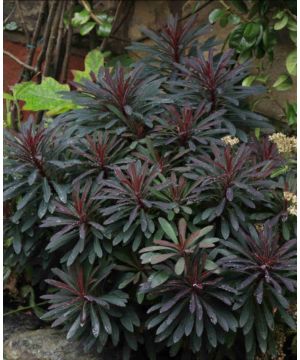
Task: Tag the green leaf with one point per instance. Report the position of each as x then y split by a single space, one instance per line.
225 229
26 198
292 25
291 113
279 15
291 63
86 28
248 80
97 248
93 61
280 171
283 83
32 177
156 259
224 21
198 234
208 243
285 231
158 278
44 96
46 190
179 267
95 322
80 18
257 133
245 55
281 23
210 265
61 191
104 29
8 96
293 36
215 15
106 322
11 26
125 60
251 31
42 209
168 229
17 244
73 329
179 332
234 19
262 78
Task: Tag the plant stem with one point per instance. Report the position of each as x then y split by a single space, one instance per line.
48 68
195 12
46 37
57 51
24 308
23 23
20 62
63 74
88 8
114 28
33 43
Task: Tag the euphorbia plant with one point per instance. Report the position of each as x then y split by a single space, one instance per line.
195 307
94 312
266 266
81 224
143 188
179 247
232 182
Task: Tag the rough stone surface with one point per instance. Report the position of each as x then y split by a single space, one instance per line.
16 323
27 338
145 14
43 344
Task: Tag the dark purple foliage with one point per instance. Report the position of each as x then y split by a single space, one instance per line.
231 181
98 154
188 127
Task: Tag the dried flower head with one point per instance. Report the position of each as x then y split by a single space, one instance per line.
289 196
292 210
230 140
285 144
259 227
292 199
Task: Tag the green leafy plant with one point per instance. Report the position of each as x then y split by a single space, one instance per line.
86 20
256 26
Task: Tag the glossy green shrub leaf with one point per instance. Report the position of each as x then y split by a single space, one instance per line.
168 229
291 63
179 267
215 15
283 83
104 29
93 61
281 23
80 18
87 28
